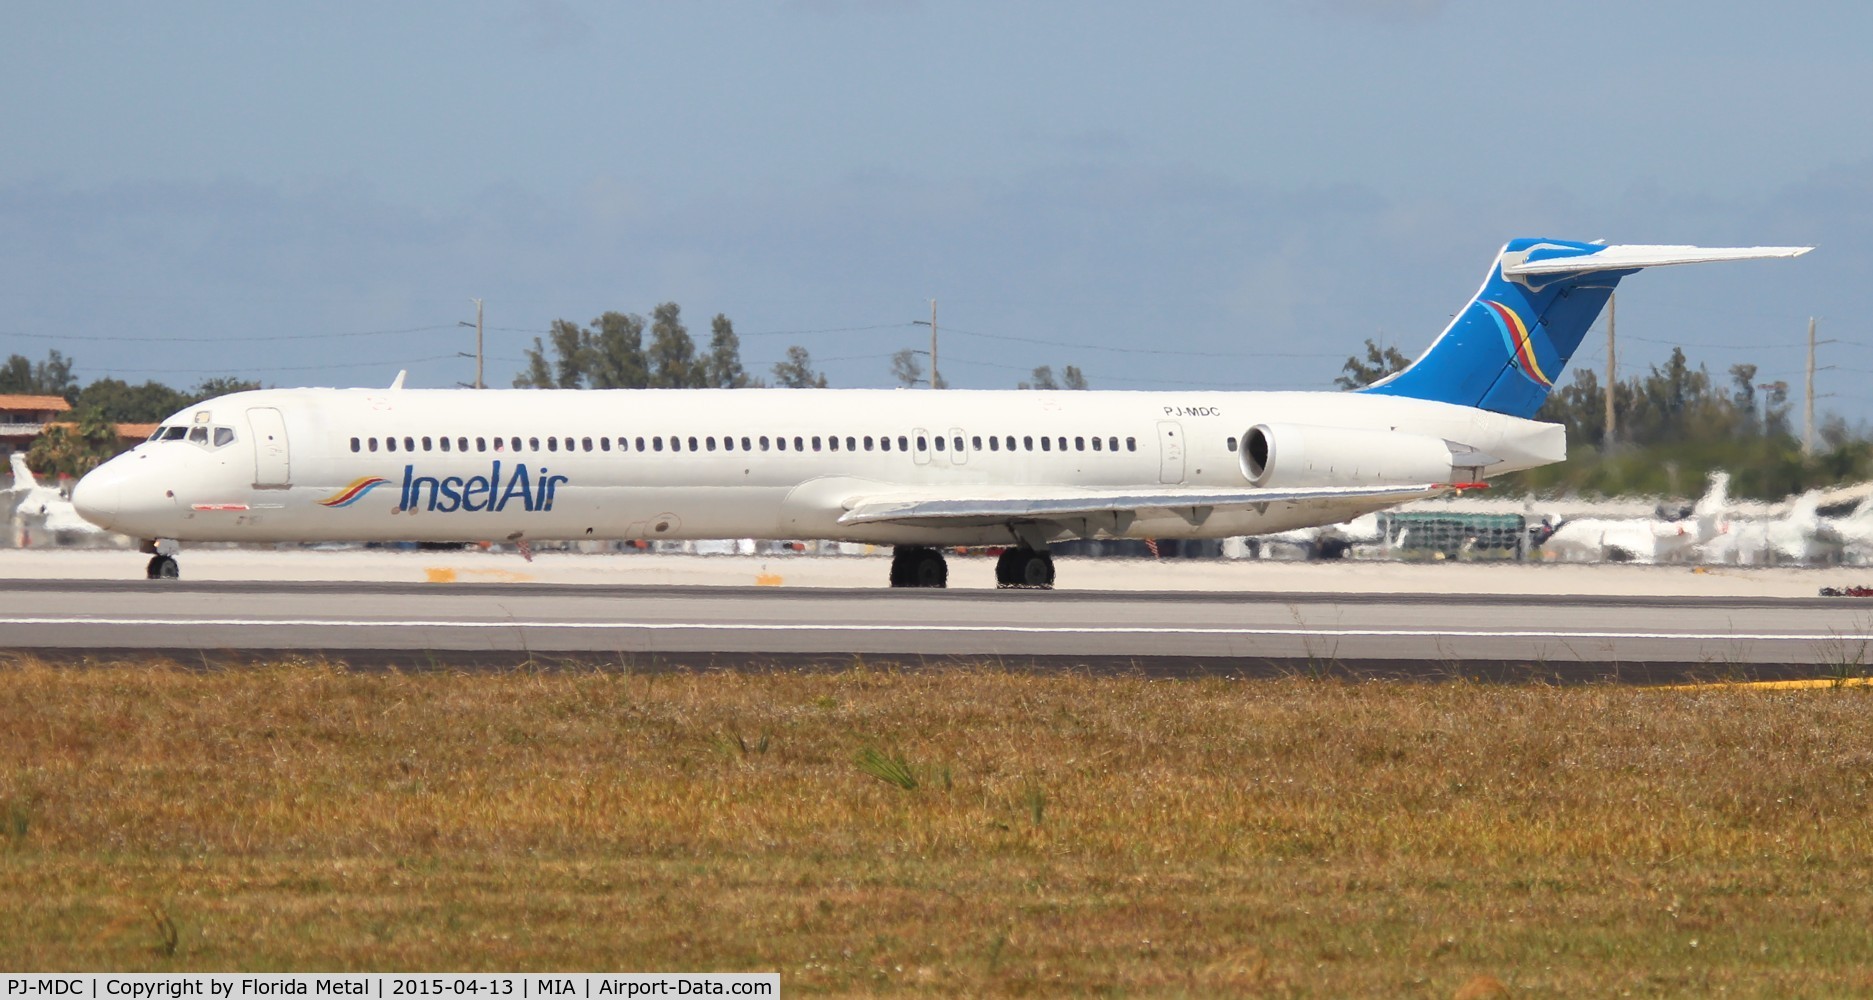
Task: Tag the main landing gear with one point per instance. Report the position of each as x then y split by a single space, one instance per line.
1024 568
918 566
1019 567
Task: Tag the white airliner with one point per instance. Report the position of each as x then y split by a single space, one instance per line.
42 509
918 470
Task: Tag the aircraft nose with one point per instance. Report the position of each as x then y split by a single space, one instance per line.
98 498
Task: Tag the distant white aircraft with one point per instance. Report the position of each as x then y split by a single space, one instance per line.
42 510
1801 536
920 471
1330 541
1643 540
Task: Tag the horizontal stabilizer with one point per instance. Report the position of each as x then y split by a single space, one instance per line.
1535 260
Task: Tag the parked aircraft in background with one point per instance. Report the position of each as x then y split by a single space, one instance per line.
919 471
1643 540
1802 535
40 510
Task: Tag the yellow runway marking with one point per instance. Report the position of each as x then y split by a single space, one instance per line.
449 574
767 579
1799 685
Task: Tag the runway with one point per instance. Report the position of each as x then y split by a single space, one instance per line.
1562 637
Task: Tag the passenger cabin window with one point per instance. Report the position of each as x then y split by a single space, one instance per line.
357 445
1096 444
995 443
373 444
1131 444
1027 443
1231 444
903 443
1046 444
975 441
922 443
445 443
884 444
390 444
939 442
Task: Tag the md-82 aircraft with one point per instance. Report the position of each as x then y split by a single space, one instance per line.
919 471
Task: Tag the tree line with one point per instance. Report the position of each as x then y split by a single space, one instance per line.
76 445
610 352
1674 424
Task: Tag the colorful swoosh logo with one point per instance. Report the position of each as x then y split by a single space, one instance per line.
350 494
1515 337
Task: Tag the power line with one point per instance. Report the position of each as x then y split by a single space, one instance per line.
225 340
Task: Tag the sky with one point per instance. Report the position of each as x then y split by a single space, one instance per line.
1224 195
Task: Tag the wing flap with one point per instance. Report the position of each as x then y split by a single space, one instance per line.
927 509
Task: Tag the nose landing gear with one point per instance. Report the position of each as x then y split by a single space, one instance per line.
162 565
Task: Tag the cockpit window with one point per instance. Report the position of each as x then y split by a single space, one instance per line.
156 434
224 436
175 433
198 435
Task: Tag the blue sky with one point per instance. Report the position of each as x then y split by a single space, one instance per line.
1220 195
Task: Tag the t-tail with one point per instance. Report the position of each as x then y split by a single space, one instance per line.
1507 348
22 476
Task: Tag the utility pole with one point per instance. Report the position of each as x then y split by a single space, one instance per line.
1807 415
1612 373
479 384
935 380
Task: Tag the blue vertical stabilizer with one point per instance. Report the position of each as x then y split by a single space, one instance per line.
1508 346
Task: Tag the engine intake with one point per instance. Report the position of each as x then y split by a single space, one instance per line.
1297 455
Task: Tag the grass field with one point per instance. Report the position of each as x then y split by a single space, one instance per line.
957 831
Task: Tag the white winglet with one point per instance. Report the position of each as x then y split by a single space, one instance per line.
1621 258
397 383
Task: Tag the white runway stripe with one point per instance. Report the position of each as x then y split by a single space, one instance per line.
1288 632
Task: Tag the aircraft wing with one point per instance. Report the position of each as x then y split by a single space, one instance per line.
980 505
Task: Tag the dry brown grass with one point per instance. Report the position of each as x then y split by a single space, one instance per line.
1064 835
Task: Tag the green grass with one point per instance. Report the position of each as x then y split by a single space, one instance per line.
1057 835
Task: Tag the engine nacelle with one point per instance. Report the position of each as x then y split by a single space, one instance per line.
1296 455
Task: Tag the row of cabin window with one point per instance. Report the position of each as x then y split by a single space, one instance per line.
800 443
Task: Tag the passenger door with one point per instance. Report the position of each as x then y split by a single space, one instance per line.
1170 452
272 464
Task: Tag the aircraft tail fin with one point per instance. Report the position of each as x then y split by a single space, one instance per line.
22 476
1504 350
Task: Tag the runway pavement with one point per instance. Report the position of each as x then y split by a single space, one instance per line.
1565 638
